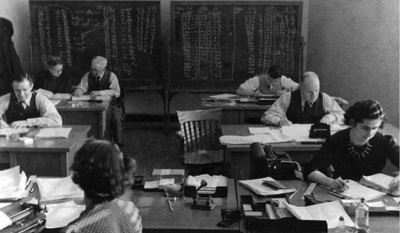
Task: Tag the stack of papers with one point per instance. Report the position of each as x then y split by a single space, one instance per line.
58 188
257 186
53 133
329 211
378 181
212 183
61 214
159 184
13 184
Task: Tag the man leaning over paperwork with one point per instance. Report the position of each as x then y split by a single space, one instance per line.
22 108
304 106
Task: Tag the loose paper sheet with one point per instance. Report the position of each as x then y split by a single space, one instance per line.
61 214
53 133
329 211
58 188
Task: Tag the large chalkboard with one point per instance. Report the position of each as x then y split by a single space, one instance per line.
217 45
127 33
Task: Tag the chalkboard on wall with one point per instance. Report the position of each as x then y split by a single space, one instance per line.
127 33
218 45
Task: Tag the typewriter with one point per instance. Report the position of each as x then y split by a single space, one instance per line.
29 218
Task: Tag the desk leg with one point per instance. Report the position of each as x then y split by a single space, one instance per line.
239 164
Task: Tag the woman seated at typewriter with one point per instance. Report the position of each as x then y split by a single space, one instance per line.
98 168
356 151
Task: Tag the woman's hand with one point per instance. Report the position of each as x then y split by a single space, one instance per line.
338 184
394 186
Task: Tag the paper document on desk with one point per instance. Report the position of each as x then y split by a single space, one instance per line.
377 181
357 190
224 97
259 130
212 183
87 97
273 137
329 211
258 186
168 172
299 132
12 184
53 133
61 214
58 188
9 131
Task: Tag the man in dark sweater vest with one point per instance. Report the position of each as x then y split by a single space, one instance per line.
101 82
23 108
304 106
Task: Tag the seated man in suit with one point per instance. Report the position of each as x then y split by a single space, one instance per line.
304 106
101 82
22 108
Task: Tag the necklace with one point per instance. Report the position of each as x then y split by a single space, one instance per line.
359 151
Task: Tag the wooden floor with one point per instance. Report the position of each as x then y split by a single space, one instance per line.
151 147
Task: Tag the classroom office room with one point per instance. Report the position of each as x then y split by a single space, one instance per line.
353 46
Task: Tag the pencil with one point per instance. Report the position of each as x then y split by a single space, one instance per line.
170 205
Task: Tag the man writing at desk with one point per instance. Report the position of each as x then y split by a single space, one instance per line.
22 108
101 82
305 106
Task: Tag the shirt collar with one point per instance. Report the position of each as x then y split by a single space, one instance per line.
27 101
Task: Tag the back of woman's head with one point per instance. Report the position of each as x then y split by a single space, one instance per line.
364 110
98 168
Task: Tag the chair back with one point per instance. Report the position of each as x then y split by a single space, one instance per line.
201 130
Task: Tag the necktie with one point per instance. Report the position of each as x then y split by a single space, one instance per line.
22 105
307 107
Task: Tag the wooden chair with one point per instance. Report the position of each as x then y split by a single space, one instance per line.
199 136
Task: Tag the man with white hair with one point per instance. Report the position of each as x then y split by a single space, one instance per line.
305 106
101 82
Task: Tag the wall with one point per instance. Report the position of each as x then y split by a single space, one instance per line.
355 50
352 45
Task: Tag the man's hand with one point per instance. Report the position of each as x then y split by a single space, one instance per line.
394 186
78 92
284 122
19 124
325 120
94 94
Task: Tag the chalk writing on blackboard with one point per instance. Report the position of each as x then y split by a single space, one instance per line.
126 33
215 41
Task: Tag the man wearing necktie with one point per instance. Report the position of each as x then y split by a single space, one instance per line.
304 106
23 108
101 82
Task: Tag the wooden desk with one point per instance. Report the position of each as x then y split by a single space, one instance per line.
97 115
379 222
239 155
45 157
157 217
237 113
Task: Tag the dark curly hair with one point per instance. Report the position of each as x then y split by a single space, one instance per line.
98 168
364 109
275 72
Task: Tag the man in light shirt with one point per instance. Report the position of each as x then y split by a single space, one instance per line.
22 108
101 82
304 106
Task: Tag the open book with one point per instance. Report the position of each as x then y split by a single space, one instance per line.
329 211
261 187
377 181
54 96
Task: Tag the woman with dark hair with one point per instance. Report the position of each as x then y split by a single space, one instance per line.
98 168
356 151
56 78
272 82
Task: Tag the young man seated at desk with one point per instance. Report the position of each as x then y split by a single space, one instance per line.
271 83
356 151
101 82
22 108
304 106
